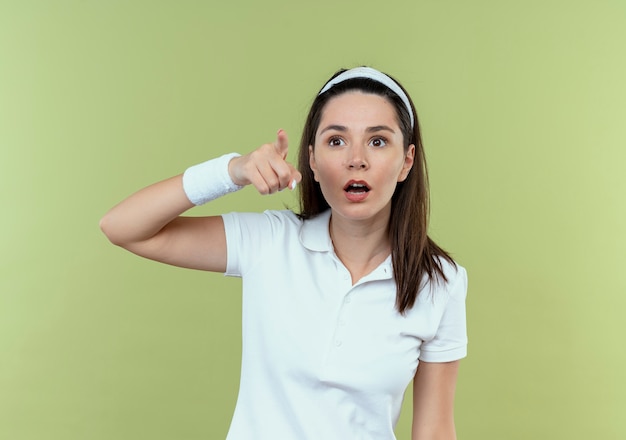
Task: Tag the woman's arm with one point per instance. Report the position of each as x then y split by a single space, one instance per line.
149 222
434 387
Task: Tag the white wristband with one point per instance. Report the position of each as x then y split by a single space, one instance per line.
209 180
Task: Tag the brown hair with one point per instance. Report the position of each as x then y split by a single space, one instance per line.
416 258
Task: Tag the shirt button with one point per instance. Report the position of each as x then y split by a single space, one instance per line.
337 343
342 322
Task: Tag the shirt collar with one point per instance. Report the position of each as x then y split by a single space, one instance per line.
314 234
382 272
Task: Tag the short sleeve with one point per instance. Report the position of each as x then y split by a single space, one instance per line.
245 236
253 237
234 240
450 341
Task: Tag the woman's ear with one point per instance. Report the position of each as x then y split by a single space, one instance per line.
312 164
409 158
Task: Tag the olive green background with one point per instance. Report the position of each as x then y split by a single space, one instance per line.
523 108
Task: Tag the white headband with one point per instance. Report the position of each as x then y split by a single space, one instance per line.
368 72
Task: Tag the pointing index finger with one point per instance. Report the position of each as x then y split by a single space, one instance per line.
282 143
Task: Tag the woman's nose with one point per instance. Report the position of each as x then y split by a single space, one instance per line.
357 159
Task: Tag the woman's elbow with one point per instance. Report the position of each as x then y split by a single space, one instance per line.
108 228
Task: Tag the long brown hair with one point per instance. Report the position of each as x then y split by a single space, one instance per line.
415 257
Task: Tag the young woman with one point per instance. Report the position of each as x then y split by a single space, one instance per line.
345 302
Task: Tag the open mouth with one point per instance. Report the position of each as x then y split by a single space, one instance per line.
356 187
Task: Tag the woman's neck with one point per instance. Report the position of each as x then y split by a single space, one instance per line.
360 245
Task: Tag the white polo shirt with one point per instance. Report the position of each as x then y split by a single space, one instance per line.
324 359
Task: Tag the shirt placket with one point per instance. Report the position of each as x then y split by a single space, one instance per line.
337 343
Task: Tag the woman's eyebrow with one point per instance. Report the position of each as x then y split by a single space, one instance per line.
379 128
335 127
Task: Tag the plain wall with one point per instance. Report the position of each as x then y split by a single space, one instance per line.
523 109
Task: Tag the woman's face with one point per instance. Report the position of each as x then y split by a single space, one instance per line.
358 157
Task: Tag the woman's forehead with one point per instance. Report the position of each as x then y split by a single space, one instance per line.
357 109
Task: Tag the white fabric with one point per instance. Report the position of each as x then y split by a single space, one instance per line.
209 180
376 75
323 359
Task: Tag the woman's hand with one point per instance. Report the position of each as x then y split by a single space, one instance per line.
266 167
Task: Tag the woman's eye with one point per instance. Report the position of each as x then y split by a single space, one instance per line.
336 142
378 142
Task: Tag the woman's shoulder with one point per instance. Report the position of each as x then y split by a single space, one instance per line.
268 218
454 278
450 267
